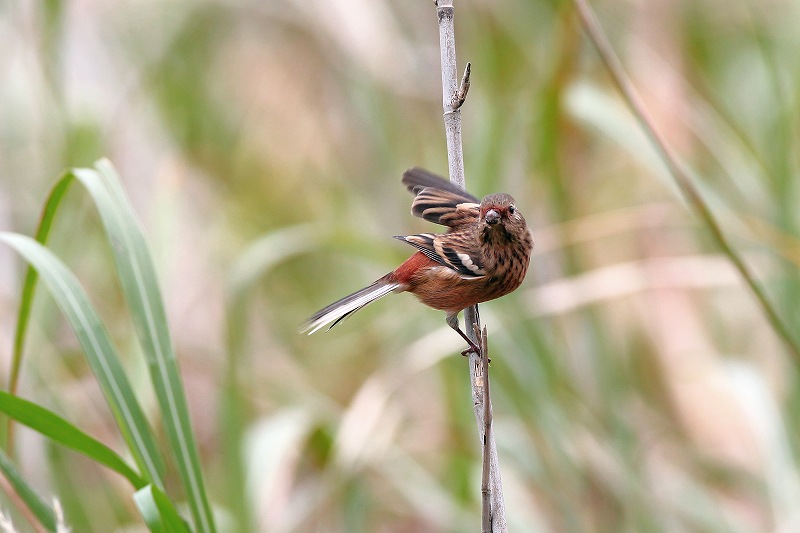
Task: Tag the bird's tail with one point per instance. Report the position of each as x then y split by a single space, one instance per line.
341 309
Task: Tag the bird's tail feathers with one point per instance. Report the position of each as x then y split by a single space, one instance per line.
341 309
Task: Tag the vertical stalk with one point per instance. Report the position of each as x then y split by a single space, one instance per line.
453 95
452 114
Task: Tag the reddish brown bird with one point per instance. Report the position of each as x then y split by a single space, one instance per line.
484 254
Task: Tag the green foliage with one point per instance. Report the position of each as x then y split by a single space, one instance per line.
101 354
158 512
139 284
56 428
34 502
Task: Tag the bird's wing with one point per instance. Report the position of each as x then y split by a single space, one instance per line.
451 250
437 200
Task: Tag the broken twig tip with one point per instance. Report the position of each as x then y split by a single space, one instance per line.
461 94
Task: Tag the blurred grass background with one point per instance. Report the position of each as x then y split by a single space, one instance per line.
637 386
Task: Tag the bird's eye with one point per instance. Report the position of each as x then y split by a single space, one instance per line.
512 210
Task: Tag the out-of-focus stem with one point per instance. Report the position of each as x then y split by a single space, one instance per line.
691 193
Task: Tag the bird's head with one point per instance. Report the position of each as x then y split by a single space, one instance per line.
499 217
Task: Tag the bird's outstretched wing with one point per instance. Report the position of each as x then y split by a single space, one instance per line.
439 201
452 250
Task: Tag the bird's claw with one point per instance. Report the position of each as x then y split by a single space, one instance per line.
472 348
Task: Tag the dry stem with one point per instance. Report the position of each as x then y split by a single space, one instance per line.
453 96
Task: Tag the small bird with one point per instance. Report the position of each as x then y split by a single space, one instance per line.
484 254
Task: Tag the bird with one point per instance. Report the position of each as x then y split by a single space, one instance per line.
483 255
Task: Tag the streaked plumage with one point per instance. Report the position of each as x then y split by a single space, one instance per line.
484 254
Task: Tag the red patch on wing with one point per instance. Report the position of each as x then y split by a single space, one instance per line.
403 273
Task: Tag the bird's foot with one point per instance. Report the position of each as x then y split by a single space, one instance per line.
452 321
472 348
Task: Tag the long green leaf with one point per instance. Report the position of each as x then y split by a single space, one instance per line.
99 350
56 428
29 287
158 512
140 285
35 503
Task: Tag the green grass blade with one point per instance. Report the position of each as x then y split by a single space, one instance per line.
29 287
140 285
100 352
56 428
158 512
38 506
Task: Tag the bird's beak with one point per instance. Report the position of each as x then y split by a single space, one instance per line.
492 217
